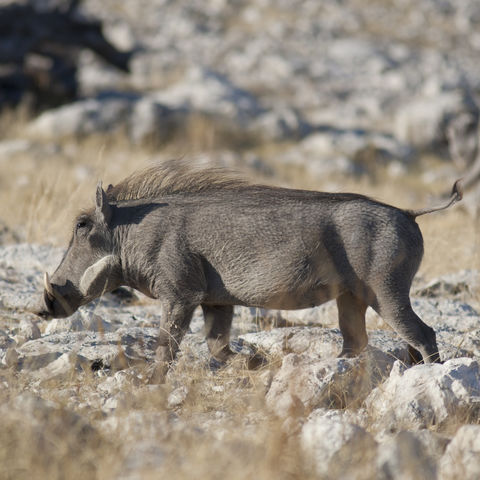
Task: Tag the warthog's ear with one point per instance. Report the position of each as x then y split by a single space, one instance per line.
103 210
96 278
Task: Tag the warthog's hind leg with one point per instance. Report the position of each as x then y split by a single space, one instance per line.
420 337
218 321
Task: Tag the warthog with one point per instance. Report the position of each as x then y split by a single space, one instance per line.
191 237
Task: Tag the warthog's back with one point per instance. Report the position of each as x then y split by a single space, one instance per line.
283 248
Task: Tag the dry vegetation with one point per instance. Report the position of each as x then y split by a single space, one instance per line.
71 434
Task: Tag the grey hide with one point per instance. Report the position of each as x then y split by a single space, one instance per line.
193 237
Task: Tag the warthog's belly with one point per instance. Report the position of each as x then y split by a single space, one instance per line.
286 300
293 300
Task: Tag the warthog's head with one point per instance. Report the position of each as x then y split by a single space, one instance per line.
89 267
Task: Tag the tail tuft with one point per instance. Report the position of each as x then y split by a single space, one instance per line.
455 196
457 190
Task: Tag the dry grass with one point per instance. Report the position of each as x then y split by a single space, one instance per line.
222 427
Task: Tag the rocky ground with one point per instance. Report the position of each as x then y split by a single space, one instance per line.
353 95
75 394
352 82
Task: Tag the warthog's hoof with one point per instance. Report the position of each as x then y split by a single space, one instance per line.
240 360
255 361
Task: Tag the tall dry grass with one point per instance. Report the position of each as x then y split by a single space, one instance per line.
222 428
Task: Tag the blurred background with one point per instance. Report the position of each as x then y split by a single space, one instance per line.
372 96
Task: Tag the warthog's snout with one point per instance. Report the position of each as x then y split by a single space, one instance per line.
53 303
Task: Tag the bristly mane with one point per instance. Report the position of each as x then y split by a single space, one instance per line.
184 177
171 177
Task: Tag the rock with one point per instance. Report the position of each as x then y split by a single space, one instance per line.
177 397
116 350
405 457
28 331
462 456
28 258
456 324
11 358
10 148
121 400
21 270
325 315
324 343
207 91
456 285
330 150
462 135
426 395
338 449
421 121
151 122
64 367
304 63
81 118
280 124
433 443
5 340
119 381
78 322
305 382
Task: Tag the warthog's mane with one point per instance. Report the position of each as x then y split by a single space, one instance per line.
174 177
182 177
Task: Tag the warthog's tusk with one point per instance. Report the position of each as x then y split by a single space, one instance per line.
53 295
48 286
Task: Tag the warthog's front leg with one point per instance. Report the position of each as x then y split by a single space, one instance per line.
173 326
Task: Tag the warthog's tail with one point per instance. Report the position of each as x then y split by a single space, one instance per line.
455 196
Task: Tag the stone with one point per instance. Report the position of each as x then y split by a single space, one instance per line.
404 457
153 123
80 321
305 382
11 358
462 456
280 124
119 381
29 330
81 118
116 350
329 150
337 448
62 368
421 121
21 269
459 284
10 148
177 397
322 342
208 91
462 135
426 395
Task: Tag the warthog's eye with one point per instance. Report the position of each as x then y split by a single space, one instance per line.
80 225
